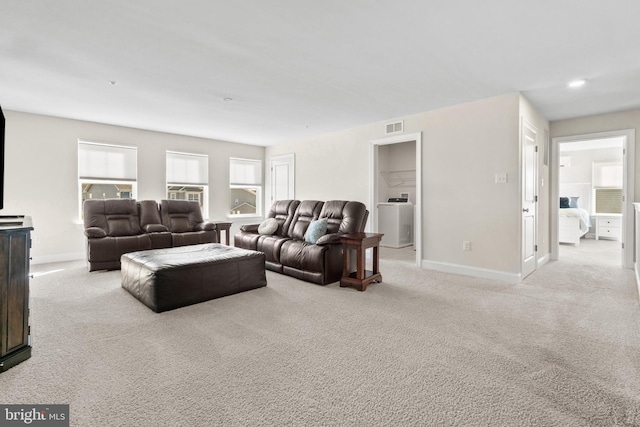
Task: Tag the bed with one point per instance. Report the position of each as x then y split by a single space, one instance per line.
573 223
573 217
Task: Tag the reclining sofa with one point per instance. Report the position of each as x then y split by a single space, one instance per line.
114 227
288 251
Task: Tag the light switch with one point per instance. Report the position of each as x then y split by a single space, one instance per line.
501 178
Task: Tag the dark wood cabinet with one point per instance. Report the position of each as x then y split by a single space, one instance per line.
15 244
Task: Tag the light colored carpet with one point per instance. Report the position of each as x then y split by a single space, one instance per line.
422 348
594 252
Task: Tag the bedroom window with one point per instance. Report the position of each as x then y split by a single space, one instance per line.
607 187
106 172
188 178
245 185
608 200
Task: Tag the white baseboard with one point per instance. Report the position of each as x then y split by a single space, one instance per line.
46 259
503 276
545 259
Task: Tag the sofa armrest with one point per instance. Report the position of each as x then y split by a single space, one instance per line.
154 228
94 232
329 239
250 228
205 226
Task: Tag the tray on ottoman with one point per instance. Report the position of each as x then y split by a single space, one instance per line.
164 279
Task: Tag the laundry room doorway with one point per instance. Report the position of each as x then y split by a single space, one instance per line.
396 195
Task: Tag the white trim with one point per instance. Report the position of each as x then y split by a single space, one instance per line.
638 280
46 259
373 188
628 224
484 273
543 260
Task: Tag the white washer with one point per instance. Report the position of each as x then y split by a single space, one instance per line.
395 220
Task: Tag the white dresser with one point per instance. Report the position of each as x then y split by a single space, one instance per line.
608 226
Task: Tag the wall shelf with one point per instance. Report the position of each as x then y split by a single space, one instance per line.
396 178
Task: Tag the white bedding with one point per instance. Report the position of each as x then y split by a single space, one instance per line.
583 215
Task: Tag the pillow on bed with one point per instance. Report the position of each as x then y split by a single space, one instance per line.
564 203
573 202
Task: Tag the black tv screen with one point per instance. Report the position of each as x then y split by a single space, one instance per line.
1 158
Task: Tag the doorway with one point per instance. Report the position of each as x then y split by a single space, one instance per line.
396 177
592 215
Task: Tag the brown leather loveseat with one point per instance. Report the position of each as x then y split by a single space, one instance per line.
288 250
114 227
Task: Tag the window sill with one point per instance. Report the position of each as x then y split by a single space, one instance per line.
246 216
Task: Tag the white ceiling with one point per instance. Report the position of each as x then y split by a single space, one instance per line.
295 69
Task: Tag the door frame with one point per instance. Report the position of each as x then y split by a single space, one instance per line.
628 215
373 184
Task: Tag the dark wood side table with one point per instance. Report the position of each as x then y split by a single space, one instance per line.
220 226
360 242
15 334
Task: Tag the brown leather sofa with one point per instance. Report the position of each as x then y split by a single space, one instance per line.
114 227
286 250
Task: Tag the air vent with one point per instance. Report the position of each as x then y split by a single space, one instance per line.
394 127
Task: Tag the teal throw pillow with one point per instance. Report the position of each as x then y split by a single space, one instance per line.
316 230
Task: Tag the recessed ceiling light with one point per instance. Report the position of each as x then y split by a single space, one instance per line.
113 82
227 99
577 83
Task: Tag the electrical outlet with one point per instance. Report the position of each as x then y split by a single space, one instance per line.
501 178
466 245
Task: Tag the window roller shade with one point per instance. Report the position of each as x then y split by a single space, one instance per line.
183 168
107 162
245 172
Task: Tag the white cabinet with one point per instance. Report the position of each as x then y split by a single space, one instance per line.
609 226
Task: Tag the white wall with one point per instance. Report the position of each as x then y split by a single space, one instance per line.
463 147
41 177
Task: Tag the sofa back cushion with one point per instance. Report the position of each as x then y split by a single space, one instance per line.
283 212
343 216
149 213
307 211
180 216
117 217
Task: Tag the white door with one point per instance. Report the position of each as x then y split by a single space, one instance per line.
529 197
282 177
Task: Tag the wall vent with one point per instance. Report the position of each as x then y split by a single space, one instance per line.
394 127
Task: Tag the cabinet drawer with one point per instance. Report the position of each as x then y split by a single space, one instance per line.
609 222
613 232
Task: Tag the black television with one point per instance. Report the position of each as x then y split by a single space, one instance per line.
1 158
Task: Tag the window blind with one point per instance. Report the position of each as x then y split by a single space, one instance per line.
245 172
607 175
184 168
107 162
609 200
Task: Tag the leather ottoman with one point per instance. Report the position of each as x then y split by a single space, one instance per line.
165 279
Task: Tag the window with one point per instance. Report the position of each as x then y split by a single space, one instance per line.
245 184
608 200
607 187
106 171
188 178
